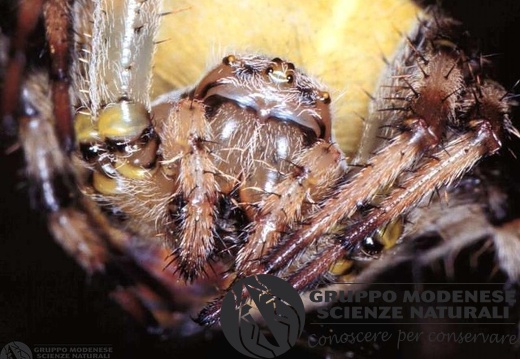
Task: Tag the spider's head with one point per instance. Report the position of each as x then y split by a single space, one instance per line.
274 89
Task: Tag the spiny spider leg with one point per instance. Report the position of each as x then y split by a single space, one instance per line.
112 120
44 121
313 170
433 81
487 125
56 15
272 168
49 170
134 272
428 78
198 187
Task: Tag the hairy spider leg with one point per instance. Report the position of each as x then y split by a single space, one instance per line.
308 182
429 83
486 127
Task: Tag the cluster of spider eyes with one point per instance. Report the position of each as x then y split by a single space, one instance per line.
279 72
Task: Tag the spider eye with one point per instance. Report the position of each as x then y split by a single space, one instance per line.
324 97
281 72
229 60
382 239
371 246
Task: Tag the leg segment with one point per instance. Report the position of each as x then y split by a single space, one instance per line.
431 101
194 218
488 122
27 20
313 170
57 14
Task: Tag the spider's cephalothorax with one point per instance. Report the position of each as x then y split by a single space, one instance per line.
240 169
253 139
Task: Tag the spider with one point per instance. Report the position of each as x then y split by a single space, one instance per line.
239 174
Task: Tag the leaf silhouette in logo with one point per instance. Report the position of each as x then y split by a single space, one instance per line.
276 306
281 319
15 351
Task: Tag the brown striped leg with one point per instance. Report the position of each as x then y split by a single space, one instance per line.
197 193
307 184
487 124
57 14
427 89
27 19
